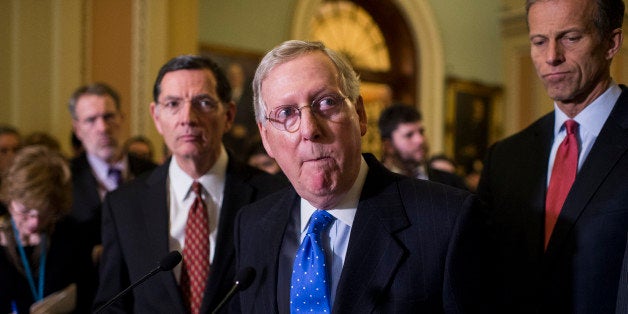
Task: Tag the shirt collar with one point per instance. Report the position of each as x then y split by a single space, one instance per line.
213 181
346 209
101 167
592 118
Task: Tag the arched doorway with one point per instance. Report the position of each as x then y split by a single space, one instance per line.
416 72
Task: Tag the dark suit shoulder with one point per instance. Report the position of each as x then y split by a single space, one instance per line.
541 128
446 178
138 166
258 179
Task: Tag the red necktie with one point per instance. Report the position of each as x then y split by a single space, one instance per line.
563 175
195 268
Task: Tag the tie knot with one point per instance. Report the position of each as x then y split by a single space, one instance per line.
197 188
320 220
116 174
571 126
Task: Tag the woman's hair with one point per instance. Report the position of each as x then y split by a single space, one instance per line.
40 179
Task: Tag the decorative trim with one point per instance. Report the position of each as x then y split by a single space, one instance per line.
430 64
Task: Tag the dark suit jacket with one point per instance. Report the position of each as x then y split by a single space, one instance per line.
622 293
68 261
85 199
579 272
135 238
412 249
446 178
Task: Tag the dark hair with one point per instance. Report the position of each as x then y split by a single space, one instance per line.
7 129
138 139
195 62
609 15
41 179
395 114
42 138
100 89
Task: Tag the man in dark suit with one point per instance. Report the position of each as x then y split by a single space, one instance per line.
562 252
405 147
187 204
392 244
96 121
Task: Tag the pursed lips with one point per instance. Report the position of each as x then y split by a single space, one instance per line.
554 76
189 137
315 159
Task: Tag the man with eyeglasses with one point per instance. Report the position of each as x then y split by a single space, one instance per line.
348 236
187 204
102 167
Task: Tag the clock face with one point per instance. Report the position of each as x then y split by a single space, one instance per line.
346 27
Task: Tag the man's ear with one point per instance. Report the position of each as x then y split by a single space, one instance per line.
359 108
155 115
617 37
230 113
262 132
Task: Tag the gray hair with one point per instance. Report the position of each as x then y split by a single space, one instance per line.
608 15
290 50
99 89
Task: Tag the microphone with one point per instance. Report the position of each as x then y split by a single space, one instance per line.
243 280
168 262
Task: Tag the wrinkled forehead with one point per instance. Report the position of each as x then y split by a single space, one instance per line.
305 74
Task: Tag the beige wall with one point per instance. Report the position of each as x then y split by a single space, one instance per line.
49 48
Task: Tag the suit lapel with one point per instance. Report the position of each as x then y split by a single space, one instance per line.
374 252
156 223
610 146
541 145
237 193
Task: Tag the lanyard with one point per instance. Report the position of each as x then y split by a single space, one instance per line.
39 293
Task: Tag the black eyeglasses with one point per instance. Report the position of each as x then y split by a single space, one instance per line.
288 118
202 104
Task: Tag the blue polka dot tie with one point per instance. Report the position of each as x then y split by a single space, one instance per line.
309 289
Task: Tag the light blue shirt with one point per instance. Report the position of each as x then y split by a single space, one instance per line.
337 241
100 169
590 123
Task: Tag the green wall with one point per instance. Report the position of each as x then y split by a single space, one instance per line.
470 31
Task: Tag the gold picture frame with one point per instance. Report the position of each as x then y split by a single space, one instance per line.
473 121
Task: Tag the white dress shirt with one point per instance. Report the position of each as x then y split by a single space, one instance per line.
590 123
100 169
181 197
337 240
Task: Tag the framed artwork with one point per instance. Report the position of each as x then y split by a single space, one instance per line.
472 121
240 66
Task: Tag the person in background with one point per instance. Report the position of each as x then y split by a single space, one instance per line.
140 147
442 163
96 121
77 146
10 143
42 138
405 147
558 190
256 156
41 250
244 127
348 235
187 204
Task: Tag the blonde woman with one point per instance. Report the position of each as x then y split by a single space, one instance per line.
42 259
